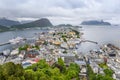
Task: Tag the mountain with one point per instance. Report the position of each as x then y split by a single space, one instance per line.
7 22
38 23
3 28
95 22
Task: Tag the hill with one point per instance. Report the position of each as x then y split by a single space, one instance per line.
7 22
3 28
95 22
38 23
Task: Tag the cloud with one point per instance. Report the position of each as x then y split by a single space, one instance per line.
61 11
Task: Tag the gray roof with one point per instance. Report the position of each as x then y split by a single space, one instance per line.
67 55
80 62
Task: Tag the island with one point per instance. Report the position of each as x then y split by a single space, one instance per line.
95 22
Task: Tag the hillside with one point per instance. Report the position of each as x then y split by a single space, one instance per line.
7 22
38 23
3 28
95 22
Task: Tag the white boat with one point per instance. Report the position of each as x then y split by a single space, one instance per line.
16 40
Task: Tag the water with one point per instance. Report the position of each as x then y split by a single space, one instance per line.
6 36
100 34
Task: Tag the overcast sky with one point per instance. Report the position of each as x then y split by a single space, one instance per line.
61 11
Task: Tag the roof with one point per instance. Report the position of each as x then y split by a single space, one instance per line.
80 62
67 55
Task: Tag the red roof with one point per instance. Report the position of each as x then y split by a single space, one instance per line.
36 60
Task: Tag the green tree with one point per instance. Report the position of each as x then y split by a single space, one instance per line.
19 70
55 71
61 62
1 73
108 72
61 65
8 69
73 71
13 78
29 75
42 64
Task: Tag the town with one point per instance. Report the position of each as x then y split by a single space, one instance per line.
63 43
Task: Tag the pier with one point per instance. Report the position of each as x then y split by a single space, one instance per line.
1 44
13 41
88 41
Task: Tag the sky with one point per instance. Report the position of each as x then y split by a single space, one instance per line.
62 11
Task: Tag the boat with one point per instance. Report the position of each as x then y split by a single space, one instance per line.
16 40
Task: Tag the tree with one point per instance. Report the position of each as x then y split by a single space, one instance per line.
29 75
1 73
71 74
8 69
55 71
11 71
108 72
61 65
13 78
102 77
42 64
19 70
73 71
91 74
61 62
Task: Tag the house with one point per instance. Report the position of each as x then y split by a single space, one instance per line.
64 45
14 52
96 69
32 53
112 53
80 62
6 52
68 58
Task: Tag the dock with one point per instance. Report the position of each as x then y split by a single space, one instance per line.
88 41
1 44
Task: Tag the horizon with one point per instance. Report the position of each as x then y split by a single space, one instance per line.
61 11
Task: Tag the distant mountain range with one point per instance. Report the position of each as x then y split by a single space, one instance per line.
38 23
95 22
7 22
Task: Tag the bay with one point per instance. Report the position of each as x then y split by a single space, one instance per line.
100 34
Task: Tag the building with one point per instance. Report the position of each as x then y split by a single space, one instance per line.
68 58
32 53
